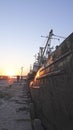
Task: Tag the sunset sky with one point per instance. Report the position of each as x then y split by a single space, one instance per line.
22 22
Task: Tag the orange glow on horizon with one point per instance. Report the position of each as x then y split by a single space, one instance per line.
12 72
9 72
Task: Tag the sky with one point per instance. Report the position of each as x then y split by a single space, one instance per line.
22 22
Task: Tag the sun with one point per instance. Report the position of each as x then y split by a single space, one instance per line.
10 73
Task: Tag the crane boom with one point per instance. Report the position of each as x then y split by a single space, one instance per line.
49 37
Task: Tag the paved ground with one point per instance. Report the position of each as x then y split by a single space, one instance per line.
14 108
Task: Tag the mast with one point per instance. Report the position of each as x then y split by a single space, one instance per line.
41 58
49 37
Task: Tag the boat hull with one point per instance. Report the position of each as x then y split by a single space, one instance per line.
54 102
52 90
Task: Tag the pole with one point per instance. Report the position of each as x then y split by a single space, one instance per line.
21 72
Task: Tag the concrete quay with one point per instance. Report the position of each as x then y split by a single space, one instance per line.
15 108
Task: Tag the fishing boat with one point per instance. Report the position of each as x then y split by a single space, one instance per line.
52 86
